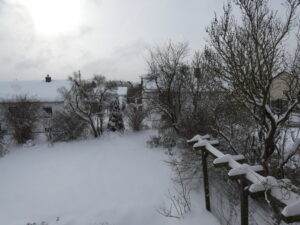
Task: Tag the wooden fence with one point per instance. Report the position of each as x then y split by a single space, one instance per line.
250 179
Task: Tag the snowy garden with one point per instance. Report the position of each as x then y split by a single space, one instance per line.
114 180
204 137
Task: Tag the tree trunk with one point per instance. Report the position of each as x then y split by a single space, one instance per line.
94 129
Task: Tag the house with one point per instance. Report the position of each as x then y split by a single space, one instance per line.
46 93
284 86
122 95
135 93
149 88
148 92
43 91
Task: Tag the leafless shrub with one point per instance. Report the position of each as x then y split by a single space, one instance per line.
3 147
166 138
180 201
136 115
66 126
41 223
198 122
168 71
235 129
22 115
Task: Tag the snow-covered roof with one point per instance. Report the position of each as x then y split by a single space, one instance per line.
39 89
149 85
122 91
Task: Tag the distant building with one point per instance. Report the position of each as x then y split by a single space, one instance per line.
135 93
43 91
284 86
122 95
149 91
46 93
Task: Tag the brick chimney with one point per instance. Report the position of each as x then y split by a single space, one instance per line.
48 78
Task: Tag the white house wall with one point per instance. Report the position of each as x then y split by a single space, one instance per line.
43 120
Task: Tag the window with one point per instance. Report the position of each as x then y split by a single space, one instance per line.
48 129
13 110
2 132
139 100
279 106
48 110
95 107
285 92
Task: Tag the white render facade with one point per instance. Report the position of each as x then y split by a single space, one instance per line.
46 93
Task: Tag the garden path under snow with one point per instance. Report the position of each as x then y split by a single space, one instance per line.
113 180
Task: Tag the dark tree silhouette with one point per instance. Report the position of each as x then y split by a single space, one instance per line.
115 122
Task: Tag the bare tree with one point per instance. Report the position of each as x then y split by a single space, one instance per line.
89 99
167 70
248 54
234 125
203 94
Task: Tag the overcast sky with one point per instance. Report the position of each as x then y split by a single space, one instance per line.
108 37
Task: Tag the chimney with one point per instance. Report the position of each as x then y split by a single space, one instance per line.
48 78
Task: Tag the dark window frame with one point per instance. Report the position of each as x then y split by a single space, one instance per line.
48 110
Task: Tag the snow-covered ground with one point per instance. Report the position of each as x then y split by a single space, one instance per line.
114 180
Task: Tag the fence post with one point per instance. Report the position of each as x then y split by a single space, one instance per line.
204 155
244 203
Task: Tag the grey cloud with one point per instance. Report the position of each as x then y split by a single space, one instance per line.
125 62
37 61
111 40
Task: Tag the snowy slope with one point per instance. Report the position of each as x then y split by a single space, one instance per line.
115 180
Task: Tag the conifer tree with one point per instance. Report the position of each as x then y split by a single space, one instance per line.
115 122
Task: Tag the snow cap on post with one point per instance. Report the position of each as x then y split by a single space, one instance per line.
226 159
291 213
198 138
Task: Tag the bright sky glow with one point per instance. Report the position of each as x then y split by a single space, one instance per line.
54 17
109 37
